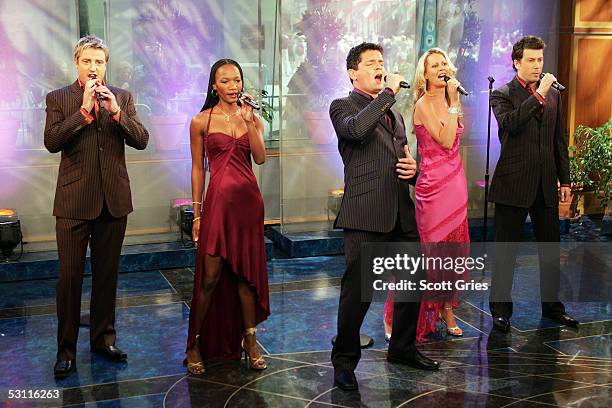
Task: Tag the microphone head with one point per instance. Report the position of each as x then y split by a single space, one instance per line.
446 78
248 101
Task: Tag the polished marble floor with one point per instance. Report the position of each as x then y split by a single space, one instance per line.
537 364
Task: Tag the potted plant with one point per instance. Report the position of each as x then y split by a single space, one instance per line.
169 44
591 164
316 81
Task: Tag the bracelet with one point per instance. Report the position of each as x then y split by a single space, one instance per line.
454 111
114 113
195 219
196 202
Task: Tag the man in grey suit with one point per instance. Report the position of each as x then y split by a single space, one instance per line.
376 206
533 157
93 196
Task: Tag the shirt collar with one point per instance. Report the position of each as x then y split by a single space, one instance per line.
360 92
523 83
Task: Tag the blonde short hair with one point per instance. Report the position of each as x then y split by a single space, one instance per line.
420 83
90 41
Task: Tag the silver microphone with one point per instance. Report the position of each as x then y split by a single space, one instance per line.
555 84
248 101
461 89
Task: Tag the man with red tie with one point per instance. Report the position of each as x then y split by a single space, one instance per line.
90 123
532 161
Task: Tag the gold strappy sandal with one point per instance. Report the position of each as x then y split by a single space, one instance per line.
453 331
255 363
195 368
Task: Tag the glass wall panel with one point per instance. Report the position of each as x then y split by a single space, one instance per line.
478 35
315 39
36 40
162 50
294 50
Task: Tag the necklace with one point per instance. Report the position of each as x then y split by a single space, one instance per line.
227 117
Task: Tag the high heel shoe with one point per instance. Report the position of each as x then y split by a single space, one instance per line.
255 363
453 331
195 368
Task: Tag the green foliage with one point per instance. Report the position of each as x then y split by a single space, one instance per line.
267 110
591 160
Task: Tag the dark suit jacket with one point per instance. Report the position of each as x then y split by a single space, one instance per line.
370 150
92 168
533 147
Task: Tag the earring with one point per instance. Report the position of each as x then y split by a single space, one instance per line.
214 93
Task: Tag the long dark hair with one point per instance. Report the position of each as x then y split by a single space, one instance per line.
213 100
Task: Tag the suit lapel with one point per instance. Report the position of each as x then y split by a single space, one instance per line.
519 91
76 95
521 94
75 88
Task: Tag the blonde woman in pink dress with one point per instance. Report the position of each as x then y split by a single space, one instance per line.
441 189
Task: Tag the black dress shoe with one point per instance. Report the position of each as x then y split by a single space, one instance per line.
345 380
62 367
501 324
562 318
112 352
414 359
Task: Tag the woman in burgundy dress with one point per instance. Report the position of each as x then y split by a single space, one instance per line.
230 291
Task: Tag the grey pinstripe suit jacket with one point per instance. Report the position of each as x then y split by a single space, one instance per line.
92 167
533 147
373 195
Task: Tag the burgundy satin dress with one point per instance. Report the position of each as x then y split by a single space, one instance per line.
232 227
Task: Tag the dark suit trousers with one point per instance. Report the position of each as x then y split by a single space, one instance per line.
105 235
352 310
509 222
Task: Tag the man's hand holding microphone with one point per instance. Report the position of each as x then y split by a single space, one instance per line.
94 89
395 82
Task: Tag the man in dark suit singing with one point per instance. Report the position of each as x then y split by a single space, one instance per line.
90 124
376 206
533 158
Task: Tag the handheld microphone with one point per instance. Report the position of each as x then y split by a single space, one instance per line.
555 84
248 101
98 95
461 89
403 84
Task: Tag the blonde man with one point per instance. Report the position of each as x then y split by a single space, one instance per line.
90 123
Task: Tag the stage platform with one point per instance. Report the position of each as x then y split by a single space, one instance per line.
538 363
331 242
134 258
